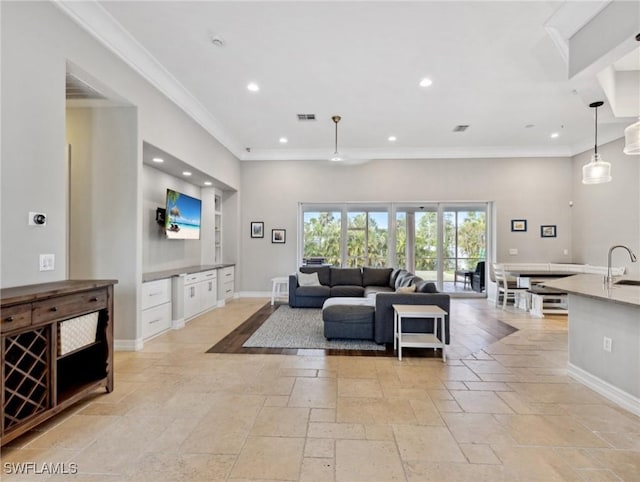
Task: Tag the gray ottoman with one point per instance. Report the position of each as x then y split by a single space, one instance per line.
353 322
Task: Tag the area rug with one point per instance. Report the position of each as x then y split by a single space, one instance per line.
301 328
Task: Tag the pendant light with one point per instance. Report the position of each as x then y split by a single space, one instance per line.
632 134
632 139
597 171
336 156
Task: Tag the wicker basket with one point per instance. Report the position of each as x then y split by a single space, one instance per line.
77 332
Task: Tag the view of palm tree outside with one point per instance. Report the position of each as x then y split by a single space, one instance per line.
416 239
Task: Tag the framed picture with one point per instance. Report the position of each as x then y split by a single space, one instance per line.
518 225
279 236
257 229
548 231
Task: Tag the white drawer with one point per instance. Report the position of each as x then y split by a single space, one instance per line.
226 274
200 276
155 293
156 320
227 290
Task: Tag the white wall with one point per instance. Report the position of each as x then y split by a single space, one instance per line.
604 215
534 189
104 219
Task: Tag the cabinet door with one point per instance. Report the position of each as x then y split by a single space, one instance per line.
192 303
209 294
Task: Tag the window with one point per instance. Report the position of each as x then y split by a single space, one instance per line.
321 235
367 238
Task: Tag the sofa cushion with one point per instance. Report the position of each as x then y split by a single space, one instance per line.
426 287
346 276
376 276
407 289
406 279
308 279
373 290
324 273
315 291
347 290
394 276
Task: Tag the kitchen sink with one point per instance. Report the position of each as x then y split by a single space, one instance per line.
633 282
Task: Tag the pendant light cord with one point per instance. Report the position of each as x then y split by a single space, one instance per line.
596 136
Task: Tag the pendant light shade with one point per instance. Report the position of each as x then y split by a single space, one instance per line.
632 139
596 171
336 156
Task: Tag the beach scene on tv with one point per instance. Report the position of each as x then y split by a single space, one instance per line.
183 216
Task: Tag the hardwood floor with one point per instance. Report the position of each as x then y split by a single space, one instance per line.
486 328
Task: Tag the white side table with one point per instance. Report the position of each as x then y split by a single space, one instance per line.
279 288
418 340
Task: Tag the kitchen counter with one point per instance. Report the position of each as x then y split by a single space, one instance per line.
604 337
593 286
169 273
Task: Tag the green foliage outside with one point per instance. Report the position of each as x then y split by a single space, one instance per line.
367 241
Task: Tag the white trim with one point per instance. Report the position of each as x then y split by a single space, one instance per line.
254 294
177 324
619 397
128 345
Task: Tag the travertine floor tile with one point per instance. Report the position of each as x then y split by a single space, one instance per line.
480 402
367 460
281 422
317 470
270 458
427 443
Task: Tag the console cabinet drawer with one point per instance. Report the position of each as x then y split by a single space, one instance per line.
155 293
156 320
15 317
69 306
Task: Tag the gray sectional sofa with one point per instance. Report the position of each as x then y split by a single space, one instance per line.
361 282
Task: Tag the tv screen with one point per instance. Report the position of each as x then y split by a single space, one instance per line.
182 219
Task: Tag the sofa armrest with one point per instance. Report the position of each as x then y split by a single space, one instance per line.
383 326
293 284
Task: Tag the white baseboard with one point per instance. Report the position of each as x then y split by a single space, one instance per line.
177 324
256 294
128 345
617 396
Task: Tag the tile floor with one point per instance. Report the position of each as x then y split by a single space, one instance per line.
503 413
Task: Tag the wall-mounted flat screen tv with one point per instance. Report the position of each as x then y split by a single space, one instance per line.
183 216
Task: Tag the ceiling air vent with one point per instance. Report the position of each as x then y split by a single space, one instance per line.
306 117
460 128
77 89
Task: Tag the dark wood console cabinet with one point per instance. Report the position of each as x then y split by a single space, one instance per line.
39 379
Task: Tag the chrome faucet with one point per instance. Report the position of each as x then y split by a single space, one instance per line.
609 279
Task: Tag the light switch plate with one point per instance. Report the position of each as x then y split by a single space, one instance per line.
513 251
47 262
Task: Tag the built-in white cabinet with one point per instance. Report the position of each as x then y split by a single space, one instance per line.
226 283
199 293
217 234
156 307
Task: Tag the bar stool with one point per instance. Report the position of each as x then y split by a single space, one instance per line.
279 288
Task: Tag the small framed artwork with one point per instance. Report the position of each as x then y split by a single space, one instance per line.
257 229
548 231
518 225
279 236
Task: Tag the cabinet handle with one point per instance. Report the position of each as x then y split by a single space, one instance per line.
94 299
155 321
53 308
9 319
156 293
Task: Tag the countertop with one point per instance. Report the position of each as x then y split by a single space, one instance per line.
169 273
36 292
592 285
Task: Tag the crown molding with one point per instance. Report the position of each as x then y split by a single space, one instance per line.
100 24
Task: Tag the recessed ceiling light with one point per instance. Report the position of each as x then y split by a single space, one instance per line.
158 160
208 183
186 173
392 138
554 135
426 82
253 87
529 126
283 140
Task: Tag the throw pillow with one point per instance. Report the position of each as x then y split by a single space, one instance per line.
406 289
426 287
308 279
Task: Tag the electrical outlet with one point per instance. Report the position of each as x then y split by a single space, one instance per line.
37 219
513 251
47 262
607 344
565 251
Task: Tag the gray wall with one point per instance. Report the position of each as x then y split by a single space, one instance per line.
604 215
538 190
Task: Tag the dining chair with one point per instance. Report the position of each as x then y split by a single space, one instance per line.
508 292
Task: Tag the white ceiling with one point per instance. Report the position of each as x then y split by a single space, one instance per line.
494 67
